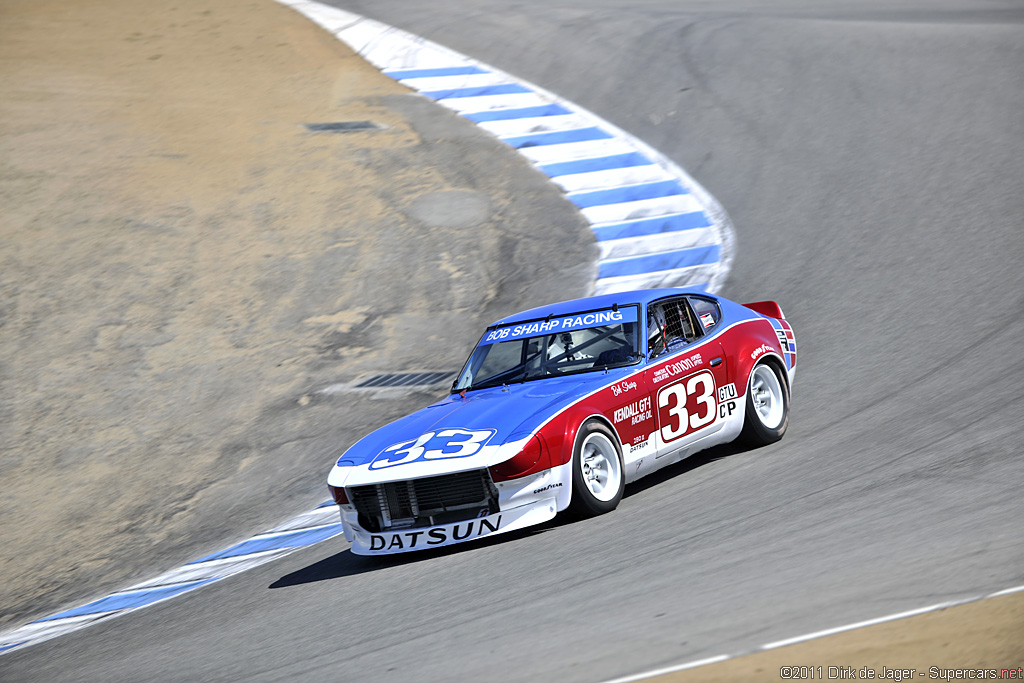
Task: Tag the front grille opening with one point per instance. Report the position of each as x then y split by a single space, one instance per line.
425 502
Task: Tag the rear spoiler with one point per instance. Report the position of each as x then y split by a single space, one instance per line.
768 308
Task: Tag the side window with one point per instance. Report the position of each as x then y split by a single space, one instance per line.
671 325
707 312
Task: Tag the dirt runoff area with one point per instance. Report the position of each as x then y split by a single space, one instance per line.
184 267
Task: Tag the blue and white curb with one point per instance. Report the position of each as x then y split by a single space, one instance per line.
300 532
655 225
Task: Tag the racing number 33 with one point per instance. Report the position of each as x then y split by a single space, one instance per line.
447 443
687 405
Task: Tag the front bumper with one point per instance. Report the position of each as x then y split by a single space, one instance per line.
404 540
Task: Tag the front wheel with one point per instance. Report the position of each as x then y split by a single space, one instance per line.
767 410
597 472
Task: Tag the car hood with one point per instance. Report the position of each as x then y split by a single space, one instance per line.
483 428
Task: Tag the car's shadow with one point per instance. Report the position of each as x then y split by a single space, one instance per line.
682 467
347 563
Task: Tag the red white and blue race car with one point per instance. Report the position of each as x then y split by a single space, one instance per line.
559 407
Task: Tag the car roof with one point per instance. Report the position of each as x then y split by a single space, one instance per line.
593 303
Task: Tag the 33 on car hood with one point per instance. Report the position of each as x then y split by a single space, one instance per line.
484 428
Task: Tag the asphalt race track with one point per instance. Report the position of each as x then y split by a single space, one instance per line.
870 155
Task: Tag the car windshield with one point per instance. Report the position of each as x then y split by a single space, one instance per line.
554 346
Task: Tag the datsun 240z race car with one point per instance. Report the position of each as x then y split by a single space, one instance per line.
559 407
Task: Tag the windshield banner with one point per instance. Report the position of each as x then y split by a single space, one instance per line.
580 321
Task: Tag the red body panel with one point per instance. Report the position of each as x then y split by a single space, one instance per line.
654 397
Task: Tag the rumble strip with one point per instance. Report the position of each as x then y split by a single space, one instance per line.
655 225
305 530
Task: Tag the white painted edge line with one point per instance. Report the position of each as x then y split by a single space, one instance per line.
815 635
1007 591
392 49
670 669
859 624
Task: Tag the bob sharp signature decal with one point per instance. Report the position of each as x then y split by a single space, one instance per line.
622 387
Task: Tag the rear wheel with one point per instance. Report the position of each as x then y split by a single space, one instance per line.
767 410
597 472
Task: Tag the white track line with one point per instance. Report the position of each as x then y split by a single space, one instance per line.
815 635
670 669
859 624
1007 591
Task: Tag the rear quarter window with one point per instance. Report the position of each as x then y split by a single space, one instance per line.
708 312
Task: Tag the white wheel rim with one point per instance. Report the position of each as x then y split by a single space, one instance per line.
599 463
766 394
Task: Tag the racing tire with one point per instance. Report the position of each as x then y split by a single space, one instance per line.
598 475
767 407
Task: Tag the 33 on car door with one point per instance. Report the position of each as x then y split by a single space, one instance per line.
686 406
685 384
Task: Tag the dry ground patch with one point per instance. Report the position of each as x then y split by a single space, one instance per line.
183 265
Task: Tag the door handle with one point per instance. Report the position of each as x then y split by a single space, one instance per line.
715 362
